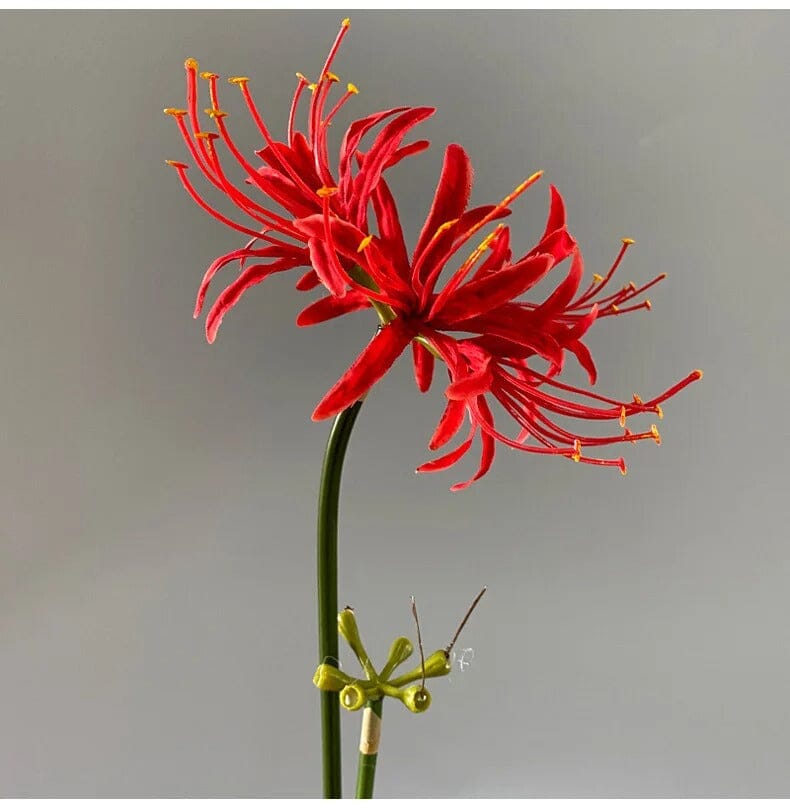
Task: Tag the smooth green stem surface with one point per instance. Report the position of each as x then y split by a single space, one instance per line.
366 770
328 498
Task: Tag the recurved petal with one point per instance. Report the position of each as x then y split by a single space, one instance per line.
378 156
448 460
222 261
327 267
406 151
449 425
309 281
371 365
585 358
228 298
566 289
488 449
451 196
557 217
331 307
423 366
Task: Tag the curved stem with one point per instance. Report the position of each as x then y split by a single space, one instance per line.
369 749
328 498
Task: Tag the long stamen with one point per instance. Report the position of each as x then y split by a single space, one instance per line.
493 214
248 205
219 116
181 169
294 105
242 81
198 154
602 282
462 272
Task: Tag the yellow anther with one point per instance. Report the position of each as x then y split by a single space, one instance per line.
656 435
628 241
207 136
331 77
301 77
577 450
212 113
208 75
326 191
174 111
628 433
486 243
352 88
528 182
346 23
177 164
637 399
614 308
623 469
364 244
444 227
631 286
312 86
597 278
660 412
698 373
622 416
238 79
191 64
648 304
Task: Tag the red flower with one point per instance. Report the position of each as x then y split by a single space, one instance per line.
502 338
295 175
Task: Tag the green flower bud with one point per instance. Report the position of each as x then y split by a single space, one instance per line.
400 651
437 664
416 698
328 677
347 626
353 697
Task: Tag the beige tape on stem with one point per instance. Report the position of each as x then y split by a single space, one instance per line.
371 732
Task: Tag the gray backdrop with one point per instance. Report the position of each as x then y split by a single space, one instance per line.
157 628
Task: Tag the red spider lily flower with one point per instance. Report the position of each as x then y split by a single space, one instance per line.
294 176
502 338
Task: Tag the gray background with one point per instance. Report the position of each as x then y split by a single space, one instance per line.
157 494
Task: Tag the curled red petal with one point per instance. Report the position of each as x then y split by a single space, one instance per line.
557 218
228 298
309 281
327 270
390 231
222 261
423 366
379 154
406 151
565 290
331 307
585 358
448 460
488 446
451 196
371 365
449 425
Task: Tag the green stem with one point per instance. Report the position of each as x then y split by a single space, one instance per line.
366 770
328 497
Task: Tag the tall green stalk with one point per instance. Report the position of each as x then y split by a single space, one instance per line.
328 498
